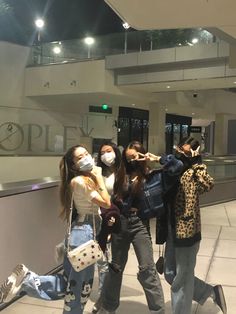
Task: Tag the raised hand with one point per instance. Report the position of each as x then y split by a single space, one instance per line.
195 152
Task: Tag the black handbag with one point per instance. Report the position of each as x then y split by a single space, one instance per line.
160 261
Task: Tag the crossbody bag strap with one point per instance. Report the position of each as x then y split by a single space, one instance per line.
68 232
68 236
94 224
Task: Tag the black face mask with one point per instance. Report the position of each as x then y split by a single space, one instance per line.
132 166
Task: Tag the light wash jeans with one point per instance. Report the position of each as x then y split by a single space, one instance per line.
103 267
135 231
179 268
74 287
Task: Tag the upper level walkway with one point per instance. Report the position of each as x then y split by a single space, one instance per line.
144 61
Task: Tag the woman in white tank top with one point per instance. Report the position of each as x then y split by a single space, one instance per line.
82 179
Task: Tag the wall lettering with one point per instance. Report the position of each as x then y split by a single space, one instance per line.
36 138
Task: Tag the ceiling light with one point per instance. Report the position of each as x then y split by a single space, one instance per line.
195 40
57 50
126 25
39 23
89 41
168 86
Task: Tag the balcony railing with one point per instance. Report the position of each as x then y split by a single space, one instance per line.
118 43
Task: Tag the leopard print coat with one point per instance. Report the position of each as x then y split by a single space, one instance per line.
193 182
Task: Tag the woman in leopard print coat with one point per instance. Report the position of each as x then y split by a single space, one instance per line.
184 234
193 182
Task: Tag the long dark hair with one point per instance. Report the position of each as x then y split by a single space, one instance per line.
67 172
188 161
140 168
106 171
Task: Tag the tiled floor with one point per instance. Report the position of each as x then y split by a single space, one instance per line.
216 264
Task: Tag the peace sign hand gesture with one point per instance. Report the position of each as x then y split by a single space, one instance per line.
195 152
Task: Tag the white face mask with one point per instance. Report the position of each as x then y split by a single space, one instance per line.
108 158
86 163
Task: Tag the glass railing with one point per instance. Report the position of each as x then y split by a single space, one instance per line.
221 167
118 43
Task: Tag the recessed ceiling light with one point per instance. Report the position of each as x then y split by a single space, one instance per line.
168 86
193 113
133 105
234 82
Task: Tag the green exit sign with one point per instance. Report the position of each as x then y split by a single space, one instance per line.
104 108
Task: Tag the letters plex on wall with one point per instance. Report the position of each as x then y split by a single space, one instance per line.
35 138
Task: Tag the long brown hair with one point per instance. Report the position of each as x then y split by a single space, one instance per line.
140 169
68 171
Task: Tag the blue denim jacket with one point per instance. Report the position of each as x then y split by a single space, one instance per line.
172 168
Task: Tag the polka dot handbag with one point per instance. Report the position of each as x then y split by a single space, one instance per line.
87 253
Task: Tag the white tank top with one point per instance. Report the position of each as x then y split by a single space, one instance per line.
109 182
82 198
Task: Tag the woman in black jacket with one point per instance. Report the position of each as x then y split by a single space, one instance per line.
133 180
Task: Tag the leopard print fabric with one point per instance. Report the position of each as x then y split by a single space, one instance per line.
193 182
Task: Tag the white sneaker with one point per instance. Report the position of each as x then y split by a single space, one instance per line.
11 286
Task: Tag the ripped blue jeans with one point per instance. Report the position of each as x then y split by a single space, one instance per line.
74 287
136 232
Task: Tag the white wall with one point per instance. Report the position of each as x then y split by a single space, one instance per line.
72 78
14 169
13 59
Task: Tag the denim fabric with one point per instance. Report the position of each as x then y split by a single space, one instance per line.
135 231
179 273
74 287
103 267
